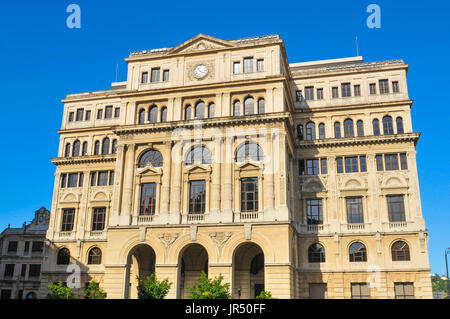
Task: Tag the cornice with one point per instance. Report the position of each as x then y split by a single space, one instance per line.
58 161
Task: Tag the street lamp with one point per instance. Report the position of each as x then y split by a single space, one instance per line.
447 251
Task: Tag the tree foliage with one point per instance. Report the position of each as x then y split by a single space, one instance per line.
151 288
59 291
440 284
93 291
206 288
265 295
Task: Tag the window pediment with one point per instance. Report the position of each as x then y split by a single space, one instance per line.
199 43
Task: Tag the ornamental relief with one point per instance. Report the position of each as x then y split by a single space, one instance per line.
69 195
100 193
313 183
349 182
393 179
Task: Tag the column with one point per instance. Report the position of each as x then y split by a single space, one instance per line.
125 218
227 214
175 207
165 189
216 174
117 188
268 179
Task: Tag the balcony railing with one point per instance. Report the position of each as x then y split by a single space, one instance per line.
145 219
356 226
249 215
65 234
195 218
397 225
315 228
97 233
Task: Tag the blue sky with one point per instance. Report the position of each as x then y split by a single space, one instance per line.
42 60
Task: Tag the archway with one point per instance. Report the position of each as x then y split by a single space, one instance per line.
193 260
140 264
248 271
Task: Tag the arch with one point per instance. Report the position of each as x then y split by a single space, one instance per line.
63 257
337 129
187 112
31 295
141 263
321 130
357 252
348 128
400 251
198 154
360 128
376 127
237 108
164 114
249 105
97 148
200 110
353 183
310 131
95 256
211 109
400 129
316 253
261 106
67 150
141 119
192 260
153 114
84 149
105 146
76 148
249 149
114 147
388 126
152 156
248 270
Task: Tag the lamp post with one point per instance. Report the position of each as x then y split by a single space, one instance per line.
447 251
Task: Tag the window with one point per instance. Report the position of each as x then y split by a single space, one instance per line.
396 208
379 160
76 148
63 180
391 162
261 109
88 116
404 290
84 149
339 165
360 128
395 87
236 67
187 112
155 75
320 94
337 130
9 270
200 110
312 167
152 157
310 131
95 256
117 112
199 154
98 218
166 75
237 108
211 109
360 291
323 166
260 65
248 65
73 180
400 251
316 253
372 88
144 77
105 146
321 131
34 270
346 90
317 291
63 257
300 132
309 93
249 194
298 96
348 128
351 164
388 127
37 246
79 116
23 270
314 211
403 161
301 167
68 219
335 92
153 114
26 247
111 178
251 150
357 90
141 116
362 164
108 112
400 129
97 148
114 147
376 127
164 114
357 252
6 294
12 246
148 199
102 178
71 117
99 114
384 86
197 194
67 150
354 210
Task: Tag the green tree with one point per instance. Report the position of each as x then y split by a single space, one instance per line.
59 291
210 288
265 295
151 288
439 284
93 291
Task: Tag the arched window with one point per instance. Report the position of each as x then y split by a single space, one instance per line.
400 251
31 295
316 253
321 130
337 130
97 148
164 114
261 106
310 131
200 110
95 256
388 127
63 257
84 150
67 150
76 148
114 147
300 131
348 128
153 157
237 108
153 114
360 128
249 149
142 116
199 154
211 109
249 106
376 127
187 112
357 252
400 129
105 146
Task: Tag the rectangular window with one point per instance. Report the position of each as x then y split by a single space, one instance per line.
23 270
323 166
314 211
111 178
403 161
301 167
12 246
108 112
155 75
37 246
248 65
354 210
94 179
88 115
351 164
237 67
102 178
357 90
117 112
9 270
395 87
396 208
320 94
379 159
335 92
166 75
73 180
309 93
384 86
317 291
79 116
249 194
148 199
260 65
26 248
373 88
34 270
68 219
346 90
6 294
98 218
197 195
298 96
360 291
312 167
99 114
391 162
144 78
404 290
362 164
71 117
339 165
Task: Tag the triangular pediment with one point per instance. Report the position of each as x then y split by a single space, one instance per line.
149 170
248 166
201 42
197 168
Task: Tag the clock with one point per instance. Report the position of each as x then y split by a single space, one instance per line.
200 71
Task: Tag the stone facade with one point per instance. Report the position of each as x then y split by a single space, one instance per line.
221 156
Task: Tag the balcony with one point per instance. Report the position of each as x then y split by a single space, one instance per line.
314 228
145 219
397 225
66 235
248 216
355 227
96 234
195 218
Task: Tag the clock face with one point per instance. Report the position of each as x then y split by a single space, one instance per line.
200 71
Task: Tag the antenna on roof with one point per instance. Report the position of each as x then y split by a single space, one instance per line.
357 48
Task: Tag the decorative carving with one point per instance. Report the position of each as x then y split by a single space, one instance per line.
248 231
193 231
190 67
220 238
168 239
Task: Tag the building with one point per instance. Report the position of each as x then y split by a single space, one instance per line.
22 256
214 155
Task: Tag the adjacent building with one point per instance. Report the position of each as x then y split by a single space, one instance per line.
221 156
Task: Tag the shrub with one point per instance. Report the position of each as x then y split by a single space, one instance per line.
93 291
265 295
59 291
210 288
151 288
